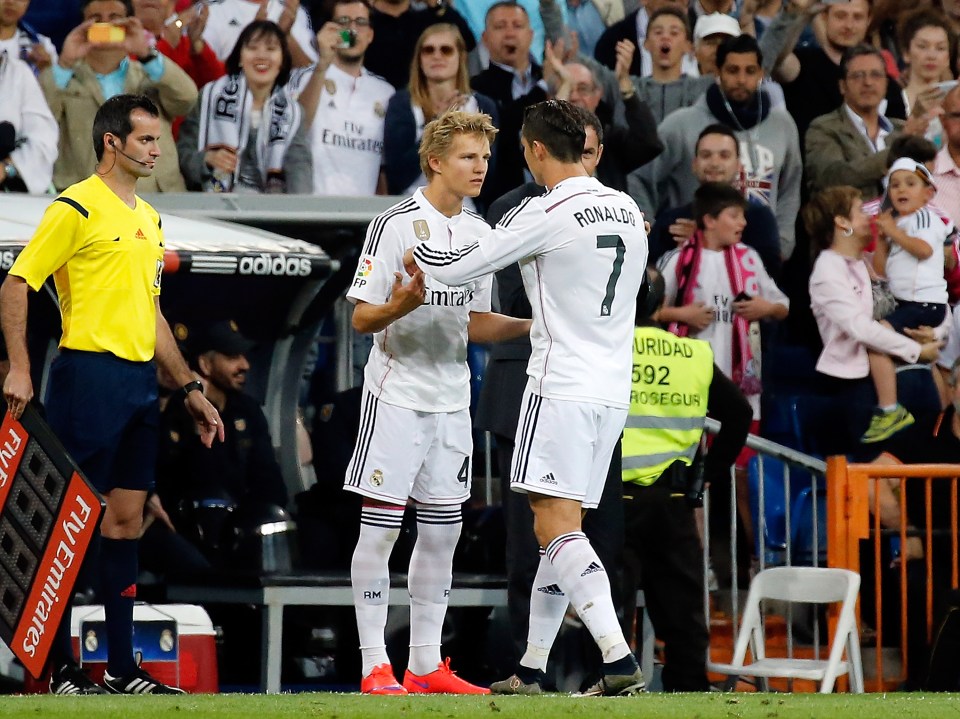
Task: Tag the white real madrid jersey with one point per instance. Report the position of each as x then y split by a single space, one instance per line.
227 19
583 252
347 132
420 361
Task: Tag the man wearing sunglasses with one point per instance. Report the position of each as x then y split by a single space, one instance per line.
345 105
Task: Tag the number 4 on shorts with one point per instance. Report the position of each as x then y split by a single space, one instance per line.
463 475
606 242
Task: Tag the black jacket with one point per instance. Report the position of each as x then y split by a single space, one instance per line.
496 83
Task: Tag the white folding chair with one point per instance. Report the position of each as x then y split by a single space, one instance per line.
817 585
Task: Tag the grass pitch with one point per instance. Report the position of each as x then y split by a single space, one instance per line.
355 706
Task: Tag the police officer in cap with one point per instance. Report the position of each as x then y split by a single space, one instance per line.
675 385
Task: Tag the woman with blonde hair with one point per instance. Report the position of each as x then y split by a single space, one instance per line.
439 81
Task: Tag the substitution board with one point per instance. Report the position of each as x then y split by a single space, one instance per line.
49 513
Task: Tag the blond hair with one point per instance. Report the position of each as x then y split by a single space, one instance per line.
419 87
438 135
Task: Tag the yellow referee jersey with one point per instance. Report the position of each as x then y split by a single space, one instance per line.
106 261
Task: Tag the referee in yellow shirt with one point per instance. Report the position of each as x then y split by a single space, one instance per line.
104 247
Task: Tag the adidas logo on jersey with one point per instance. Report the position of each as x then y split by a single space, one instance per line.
140 235
551 589
548 478
592 569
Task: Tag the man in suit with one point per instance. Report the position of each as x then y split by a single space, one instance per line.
849 145
514 81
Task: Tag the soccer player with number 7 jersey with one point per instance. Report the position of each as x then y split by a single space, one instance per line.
582 251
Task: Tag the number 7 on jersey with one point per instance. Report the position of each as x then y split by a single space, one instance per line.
606 242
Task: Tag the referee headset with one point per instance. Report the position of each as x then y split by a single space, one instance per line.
113 144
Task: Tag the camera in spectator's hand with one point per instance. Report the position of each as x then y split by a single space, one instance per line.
687 481
348 38
105 33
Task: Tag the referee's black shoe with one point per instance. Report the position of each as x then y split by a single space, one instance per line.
71 679
137 682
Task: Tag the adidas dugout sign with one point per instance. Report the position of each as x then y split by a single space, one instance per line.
48 515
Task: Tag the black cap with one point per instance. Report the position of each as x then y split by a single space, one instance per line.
223 337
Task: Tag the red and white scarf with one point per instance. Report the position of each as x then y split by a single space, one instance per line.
745 366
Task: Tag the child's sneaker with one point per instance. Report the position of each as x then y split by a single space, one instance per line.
884 425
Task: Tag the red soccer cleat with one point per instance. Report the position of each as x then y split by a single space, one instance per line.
381 681
443 681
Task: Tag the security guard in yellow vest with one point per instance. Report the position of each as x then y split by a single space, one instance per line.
675 384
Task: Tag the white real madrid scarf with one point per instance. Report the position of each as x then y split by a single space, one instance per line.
225 113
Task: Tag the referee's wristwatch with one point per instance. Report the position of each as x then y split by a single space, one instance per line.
190 387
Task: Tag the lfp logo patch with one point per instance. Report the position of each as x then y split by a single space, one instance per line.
364 268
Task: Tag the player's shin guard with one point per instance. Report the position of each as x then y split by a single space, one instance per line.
429 580
118 577
584 579
370 578
548 604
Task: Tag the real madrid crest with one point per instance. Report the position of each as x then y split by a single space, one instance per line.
376 479
421 229
379 110
330 86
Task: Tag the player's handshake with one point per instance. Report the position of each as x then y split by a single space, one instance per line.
409 263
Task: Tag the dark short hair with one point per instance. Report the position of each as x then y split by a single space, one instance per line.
739 44
504 3
254 31
557 125
717 129
918 149
365 3
128 4
822 209
114 117
590 119
675 12
712 198
861 50
649 301
919 19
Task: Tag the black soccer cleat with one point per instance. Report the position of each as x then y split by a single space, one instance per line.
137 682
71 679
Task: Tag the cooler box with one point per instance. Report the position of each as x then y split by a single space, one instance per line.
177 643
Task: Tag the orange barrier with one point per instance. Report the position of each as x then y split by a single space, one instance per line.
852 517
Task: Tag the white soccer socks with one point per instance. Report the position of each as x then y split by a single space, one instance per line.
581 575
370 579
548 605
429 580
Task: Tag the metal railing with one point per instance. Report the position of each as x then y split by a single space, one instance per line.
790 459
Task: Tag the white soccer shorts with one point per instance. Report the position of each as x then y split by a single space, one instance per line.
402 453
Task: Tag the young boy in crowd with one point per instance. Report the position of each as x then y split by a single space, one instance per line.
910 254
718 290
717 287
